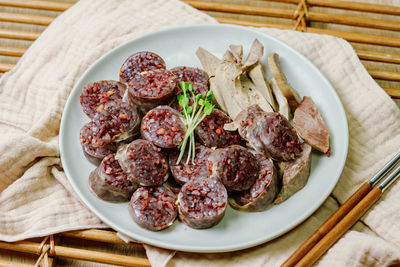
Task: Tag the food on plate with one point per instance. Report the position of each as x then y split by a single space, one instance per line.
268 133
198 88
262 193
310 126
95 95
139 62
164 126
210 63
279 81
148 89
143 162
283 104
202 203
110 183
257 76
194 114
234 166
211 132
234 85
117 121
294 174
203 147
153 208
191 75
87 136
183 172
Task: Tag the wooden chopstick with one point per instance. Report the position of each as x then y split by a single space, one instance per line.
341 213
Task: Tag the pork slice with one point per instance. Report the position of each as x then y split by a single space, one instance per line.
210 64
310 126
295 174
257 76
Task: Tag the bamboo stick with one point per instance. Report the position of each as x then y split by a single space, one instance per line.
4 263
45 5
377 56
27 19
348 5
19 35
385 75
242 9
354 21
349 36
393 92
5 67
79 254
12 51
288 13
97 235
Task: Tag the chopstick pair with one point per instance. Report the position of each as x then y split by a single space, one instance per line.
344 218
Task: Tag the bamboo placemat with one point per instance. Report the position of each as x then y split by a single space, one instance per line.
372 29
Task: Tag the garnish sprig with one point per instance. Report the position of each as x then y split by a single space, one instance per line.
194 114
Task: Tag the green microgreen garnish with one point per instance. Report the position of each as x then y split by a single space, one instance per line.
194 114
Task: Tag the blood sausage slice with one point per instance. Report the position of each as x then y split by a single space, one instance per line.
310 126
295 174
234 166
144 162
95 95
211 131
149 89
191 75
88 135
268 133
263 192
164 127
183 172
202 203
139 62
117 121
153 208
109 182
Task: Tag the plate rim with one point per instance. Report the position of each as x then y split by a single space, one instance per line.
208 249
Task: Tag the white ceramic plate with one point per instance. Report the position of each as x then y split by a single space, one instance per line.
237 230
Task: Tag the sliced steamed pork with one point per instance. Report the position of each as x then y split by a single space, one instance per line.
310 126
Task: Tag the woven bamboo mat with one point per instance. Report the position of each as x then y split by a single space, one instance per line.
373 31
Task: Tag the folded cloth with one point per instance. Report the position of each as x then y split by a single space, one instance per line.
36 198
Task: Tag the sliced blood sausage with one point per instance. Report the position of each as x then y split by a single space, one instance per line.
139 62
274 136
149 89
234 166
116 121
211 131
268 133
153 208
191 75
246 118
88 135
109 182
202 203
263 192
95 95
183 171
144 162
164 127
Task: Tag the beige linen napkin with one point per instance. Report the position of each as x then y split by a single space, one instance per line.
36 199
